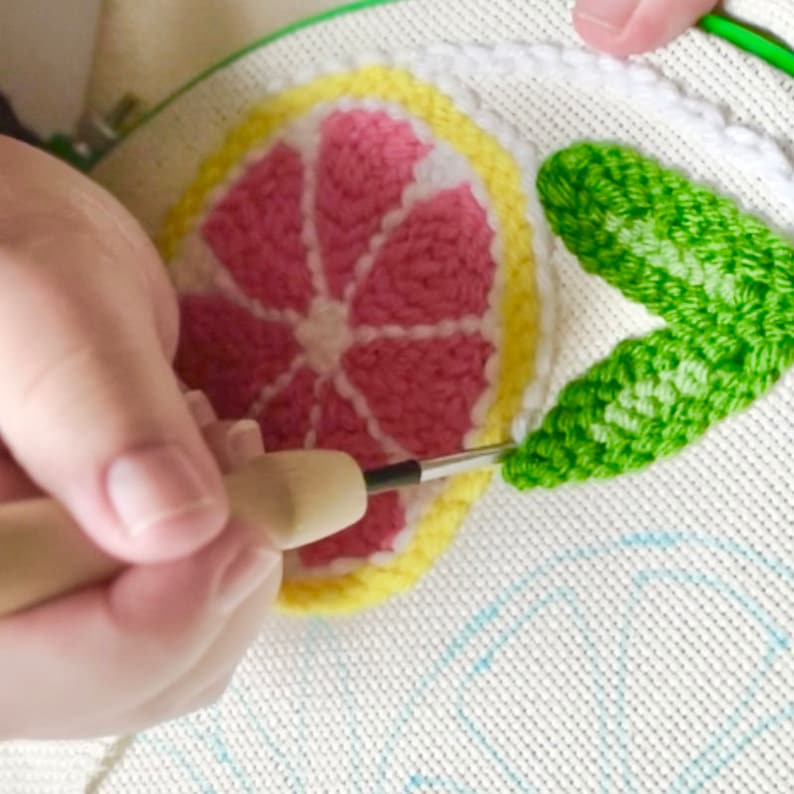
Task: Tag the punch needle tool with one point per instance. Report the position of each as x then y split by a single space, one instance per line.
415 472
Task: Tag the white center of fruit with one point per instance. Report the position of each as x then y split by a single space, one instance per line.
325 335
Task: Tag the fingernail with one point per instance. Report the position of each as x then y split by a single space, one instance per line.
152 487
244 576
200 408
613 15
244 442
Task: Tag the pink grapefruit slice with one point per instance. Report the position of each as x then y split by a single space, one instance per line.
346 283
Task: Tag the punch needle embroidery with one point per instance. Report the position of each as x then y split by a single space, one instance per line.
722 282
356 271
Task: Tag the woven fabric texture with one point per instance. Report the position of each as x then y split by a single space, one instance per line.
629 634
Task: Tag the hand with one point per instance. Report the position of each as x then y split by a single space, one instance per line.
626 27
92 414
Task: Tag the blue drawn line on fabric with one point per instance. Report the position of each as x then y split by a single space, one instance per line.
665 540
759 731
777 642
480 667
420 783
699 765
485 618
321 632
472 629
569 598
216 744
276 752
489 614
168 748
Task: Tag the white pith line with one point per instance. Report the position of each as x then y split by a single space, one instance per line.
470 324
198 271
228 287
441 168
196 268
307 138
436 171
447 65
272 390
310 440
360 405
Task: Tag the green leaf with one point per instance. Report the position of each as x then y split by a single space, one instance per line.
722 281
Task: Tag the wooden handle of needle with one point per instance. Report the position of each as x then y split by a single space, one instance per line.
294 497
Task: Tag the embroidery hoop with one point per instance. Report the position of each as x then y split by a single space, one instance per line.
419 608
742 35
633 83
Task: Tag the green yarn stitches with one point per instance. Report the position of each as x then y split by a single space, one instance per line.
721 280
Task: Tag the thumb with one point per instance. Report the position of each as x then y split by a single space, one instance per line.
89 405
626 27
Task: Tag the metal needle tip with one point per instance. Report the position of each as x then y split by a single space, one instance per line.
414 472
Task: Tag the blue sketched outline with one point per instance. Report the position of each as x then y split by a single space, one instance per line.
761 729
296 778
723 748
470 631
216 743
168 748
777 642
420 783
320 628
274 749
561 596
303 698
350 710
492 612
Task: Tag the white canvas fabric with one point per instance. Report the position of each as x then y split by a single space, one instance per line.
772 15
149 48
624 636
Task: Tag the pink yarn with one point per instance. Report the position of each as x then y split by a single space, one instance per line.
341 428
422 392
378 377
436 266
286 420
229 353
359 148
256 232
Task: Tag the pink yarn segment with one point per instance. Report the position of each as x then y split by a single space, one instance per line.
286 419
256 232
359 149
436 266
340 427
230 354
422 392
387 359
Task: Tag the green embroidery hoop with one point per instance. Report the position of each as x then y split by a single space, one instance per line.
739 34
750 40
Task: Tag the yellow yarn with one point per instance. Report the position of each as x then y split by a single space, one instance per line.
501 176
